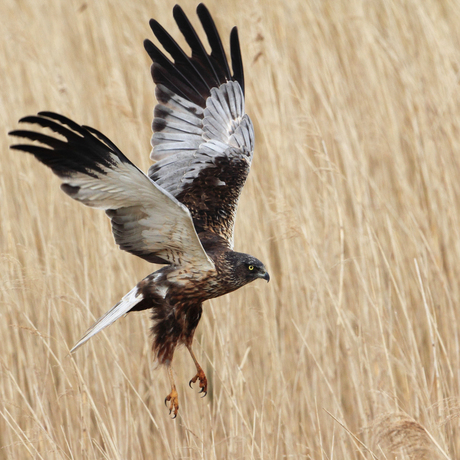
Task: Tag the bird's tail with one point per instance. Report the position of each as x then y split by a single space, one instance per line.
130 300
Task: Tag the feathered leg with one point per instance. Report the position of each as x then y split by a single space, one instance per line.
166 330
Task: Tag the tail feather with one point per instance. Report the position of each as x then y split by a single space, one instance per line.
131 299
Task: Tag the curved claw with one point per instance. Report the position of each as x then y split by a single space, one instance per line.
173 401
203 382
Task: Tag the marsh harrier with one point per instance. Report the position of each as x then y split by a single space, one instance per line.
182 213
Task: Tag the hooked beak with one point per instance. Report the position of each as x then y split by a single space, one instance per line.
266 277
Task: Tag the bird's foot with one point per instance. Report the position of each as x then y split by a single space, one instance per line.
173 400
200 375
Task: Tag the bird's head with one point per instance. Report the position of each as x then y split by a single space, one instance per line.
245 268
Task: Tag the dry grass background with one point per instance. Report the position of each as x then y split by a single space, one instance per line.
353 350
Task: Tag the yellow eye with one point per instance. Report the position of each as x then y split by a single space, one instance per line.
251 267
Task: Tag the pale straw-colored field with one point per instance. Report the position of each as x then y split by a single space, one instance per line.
352 351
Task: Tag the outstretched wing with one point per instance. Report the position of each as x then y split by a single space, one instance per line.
146 220
203 140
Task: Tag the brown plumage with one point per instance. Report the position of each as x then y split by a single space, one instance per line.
182 214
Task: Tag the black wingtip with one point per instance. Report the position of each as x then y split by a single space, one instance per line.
83 150
147 45
49 114
16 146
201 8
193 75
27 119
210 29
153 23
33 118
237 60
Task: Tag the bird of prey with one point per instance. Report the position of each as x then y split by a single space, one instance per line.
182 213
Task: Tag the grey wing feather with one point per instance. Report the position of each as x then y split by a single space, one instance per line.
175 116
202 139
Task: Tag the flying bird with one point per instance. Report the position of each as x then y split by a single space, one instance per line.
182 212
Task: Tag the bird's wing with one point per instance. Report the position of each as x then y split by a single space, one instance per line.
146 220
203 141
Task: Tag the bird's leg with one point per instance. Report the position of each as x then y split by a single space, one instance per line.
200 375
172 398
